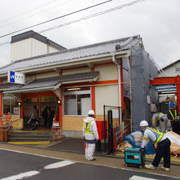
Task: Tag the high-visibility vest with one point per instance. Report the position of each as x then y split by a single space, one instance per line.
86 127
175 113
157 133
159 115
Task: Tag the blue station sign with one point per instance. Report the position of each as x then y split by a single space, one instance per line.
16 77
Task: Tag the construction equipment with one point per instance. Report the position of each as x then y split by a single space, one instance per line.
134 157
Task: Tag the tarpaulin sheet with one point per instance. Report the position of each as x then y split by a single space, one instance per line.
142 70
126 76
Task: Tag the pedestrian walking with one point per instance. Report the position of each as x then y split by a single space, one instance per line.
90 134
163 146
34 116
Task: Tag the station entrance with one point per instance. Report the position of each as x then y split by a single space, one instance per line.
46 108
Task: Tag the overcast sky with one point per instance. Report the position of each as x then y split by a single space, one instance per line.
156 21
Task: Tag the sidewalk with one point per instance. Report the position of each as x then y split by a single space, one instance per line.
73 145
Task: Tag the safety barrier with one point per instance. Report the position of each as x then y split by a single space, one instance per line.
5 124
121 134
56 129
5 117
57 133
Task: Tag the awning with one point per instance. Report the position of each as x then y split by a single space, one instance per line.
165 89
52 83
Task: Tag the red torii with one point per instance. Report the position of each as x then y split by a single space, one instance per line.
169 80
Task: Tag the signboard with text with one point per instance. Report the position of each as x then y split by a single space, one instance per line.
16 77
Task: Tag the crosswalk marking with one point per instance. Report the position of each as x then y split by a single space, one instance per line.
59 164
141 178
33 173
22 175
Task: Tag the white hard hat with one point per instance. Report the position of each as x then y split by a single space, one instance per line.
144 123
91 112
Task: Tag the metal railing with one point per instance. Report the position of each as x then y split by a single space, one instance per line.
56 129
121 134
5 124
57 133
5 116
5 120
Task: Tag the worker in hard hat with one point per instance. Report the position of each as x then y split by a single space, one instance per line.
163 146
159 121
172 115
91 135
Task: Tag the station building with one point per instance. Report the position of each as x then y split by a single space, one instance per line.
73 81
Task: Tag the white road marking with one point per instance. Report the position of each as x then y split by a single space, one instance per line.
22 152
62 163
59 164
22 175
141 178
32 173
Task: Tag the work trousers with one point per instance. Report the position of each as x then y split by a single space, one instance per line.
163 150
175 127
89 150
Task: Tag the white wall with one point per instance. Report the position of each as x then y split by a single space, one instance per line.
38 48
75 71
46 75
21 49
107 72
52 49
171 71
106 95
29 48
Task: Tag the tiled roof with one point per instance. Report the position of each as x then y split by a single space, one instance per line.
53 81
7 85
72 55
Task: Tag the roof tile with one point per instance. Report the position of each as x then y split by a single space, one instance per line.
65 56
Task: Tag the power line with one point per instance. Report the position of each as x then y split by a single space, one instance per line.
56 18
34 14
27 11
88 17
93 15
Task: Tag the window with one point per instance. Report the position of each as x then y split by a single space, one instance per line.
77 101
10 105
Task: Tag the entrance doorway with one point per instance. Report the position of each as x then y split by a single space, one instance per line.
42 102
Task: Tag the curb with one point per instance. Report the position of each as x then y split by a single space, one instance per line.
30 142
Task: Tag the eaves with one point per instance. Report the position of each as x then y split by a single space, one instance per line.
74 62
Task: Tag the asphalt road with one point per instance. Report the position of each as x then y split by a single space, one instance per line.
21 165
